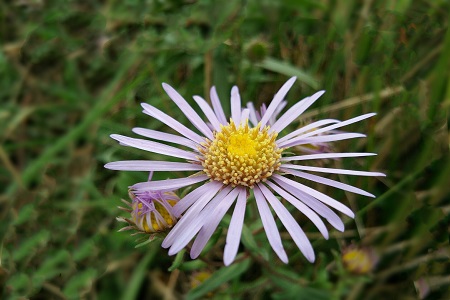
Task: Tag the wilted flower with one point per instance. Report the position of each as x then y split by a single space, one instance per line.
151 211
236 158
359 260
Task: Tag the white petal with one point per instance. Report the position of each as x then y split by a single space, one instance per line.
207 110
279 96
270 226
193 196
308 212
166 137
291 225
235 105
319 139
332 171
155 147
171 122
217 106
196 223
188 111
213 218
169 184
316 194
235 229
252 111
314 204
184 224
152 165
329 182
325 156
295 111
306 128
338 125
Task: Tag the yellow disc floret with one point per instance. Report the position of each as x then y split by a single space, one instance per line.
241 155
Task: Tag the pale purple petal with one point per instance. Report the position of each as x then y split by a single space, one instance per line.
270 226
332 171
235 105
191 216
279 96
325 156
166 137
188 111
308 212
307 128
169 184
155 147
314 204
217 106
338 125
295 111
172 123
329 182
244 116
190 198
291 225
152 165
277 111
316 194
252 111
213 218
319 139
235 229
195 223
207 110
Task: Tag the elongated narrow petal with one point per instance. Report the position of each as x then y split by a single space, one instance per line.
195 225
314 204
235 229
213 219
318 195
171 122
252 116
189 199
244 116
307 128
235 105
270 227
279 96
154 147
152 165
295 111
325 156
308 212
182 228
338 125
166 137
169 184
329 182
207 110
217 106
320 139
291 225
332 171
188 111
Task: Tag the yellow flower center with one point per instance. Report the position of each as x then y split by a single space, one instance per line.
241 155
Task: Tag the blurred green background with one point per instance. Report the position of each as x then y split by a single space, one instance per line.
74 72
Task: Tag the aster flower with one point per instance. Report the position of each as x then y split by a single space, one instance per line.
233 158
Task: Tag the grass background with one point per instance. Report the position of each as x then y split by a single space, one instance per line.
73 72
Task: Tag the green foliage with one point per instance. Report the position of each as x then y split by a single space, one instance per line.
74 72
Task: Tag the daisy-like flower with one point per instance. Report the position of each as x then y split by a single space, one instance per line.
233 158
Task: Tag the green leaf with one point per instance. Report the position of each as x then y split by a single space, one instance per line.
30 245
218 278
288 70
80 283
178 260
